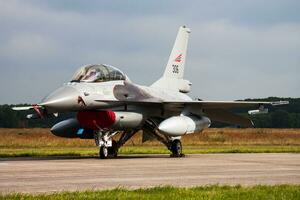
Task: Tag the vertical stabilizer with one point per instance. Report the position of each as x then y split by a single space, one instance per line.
173 76
176 62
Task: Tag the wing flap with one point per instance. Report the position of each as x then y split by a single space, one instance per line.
225 116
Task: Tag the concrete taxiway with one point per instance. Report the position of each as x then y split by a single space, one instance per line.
61 174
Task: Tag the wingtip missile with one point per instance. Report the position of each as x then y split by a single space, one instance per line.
279 103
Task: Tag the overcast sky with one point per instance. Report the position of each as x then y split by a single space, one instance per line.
237 49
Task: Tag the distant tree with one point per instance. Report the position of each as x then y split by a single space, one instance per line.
8 118
280 119
294 120
261 121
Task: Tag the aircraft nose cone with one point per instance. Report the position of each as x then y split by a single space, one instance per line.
64 98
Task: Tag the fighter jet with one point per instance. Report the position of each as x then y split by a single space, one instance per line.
108 105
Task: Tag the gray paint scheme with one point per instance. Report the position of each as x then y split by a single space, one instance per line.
157 109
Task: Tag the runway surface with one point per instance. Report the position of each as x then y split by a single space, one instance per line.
58 174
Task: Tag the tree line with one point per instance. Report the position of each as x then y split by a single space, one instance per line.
286 116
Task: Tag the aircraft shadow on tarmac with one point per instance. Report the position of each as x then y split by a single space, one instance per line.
132 156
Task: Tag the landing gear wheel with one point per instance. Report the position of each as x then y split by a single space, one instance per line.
176 148
113 150
103 152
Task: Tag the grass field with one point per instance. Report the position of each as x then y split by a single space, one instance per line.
40 142
282 192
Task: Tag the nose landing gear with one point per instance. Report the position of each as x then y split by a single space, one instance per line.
108 151
109 147
103 152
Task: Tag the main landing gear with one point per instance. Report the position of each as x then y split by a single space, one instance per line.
108 148
176 148
172 143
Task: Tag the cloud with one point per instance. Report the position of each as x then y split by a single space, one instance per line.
230 55
247 58
28 47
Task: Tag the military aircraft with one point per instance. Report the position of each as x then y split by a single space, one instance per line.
107 103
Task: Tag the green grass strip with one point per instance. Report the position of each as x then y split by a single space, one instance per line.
214 192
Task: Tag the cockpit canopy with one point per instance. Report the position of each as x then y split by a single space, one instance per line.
97 73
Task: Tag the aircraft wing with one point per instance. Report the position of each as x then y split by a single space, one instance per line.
215 110
199 104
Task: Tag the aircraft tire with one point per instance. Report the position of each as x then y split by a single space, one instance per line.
176 148
113 151
103 152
